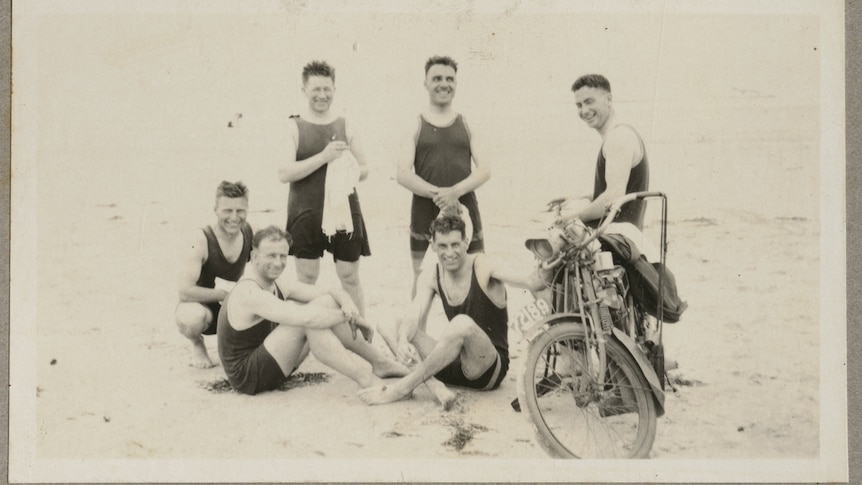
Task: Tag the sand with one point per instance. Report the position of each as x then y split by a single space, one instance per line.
114 380
101 383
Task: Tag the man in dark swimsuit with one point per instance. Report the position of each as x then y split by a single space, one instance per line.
266 330
473 349
442 162
622 166
216 258
314 141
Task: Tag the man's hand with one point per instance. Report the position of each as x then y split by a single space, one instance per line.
567 203
554 204
446 197
545 273
358 322
333 150
406 352
355 320
349 309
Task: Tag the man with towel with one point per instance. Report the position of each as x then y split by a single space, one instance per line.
323 163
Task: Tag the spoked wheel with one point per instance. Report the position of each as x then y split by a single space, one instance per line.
574 414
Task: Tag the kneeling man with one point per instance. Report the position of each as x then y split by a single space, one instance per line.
473 349
265 331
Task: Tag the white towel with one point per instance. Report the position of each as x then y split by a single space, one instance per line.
342 175
464 213
430 261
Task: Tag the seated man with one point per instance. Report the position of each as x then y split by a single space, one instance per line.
217 255
473 349
266 331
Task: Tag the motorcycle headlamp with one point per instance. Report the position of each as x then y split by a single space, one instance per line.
556 239
548 246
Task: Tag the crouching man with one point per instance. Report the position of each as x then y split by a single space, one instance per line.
473 349
265 331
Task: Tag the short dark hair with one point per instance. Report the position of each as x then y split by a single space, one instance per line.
445 60
447 223
271 233
232 190
317 68
592 81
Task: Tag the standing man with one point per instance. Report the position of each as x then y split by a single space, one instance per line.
473 349
316 140
622 166
218 252
265 331
435 162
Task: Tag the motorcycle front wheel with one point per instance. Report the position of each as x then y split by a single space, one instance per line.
575 415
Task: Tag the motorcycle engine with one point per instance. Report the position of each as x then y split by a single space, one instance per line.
612 289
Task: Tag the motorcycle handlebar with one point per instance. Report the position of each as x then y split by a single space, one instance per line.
614 209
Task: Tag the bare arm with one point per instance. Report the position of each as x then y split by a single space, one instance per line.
406 175
520 276
448 196
304 293
251 301
622 151
190 270
358 151
415 317
291 170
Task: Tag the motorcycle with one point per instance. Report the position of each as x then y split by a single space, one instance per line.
593 381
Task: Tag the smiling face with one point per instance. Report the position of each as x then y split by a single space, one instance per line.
319 90
231 213
270 258
440 81
594 106
451 249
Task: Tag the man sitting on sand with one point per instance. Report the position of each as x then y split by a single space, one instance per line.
473 349
265 331
217 254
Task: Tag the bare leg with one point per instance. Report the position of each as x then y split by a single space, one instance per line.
329 351
192 319
424 344
416 257
288 346
348 273
382 365
462 337
389 332
307 270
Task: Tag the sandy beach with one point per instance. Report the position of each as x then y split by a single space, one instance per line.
118 168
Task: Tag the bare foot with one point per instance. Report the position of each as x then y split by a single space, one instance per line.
448 399
389 368
382 394
200 357
443 394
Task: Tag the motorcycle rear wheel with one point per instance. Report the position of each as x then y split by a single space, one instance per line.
575 416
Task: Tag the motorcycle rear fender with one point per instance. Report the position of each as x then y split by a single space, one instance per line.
542 325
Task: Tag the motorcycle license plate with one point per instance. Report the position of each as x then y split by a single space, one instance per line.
530 314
